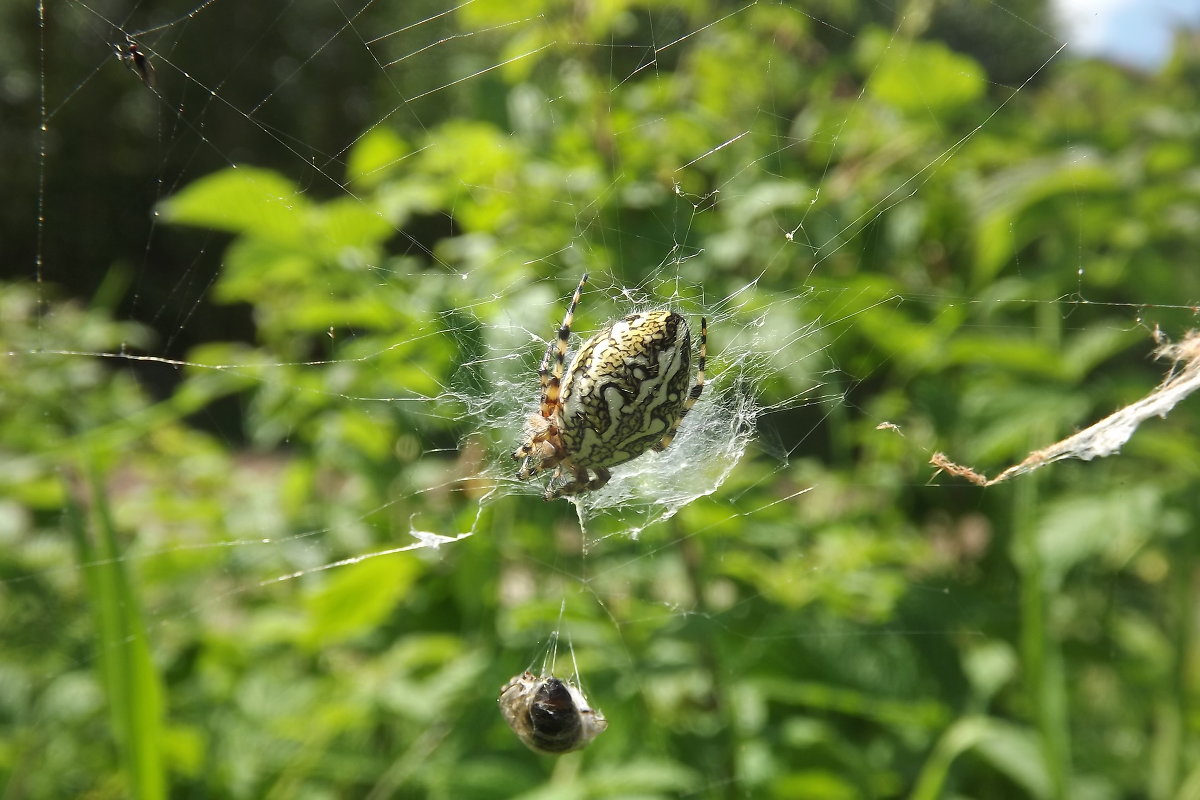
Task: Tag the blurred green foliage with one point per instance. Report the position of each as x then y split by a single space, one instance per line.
966 260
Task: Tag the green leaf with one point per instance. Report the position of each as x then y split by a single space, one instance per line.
1081 527
243 200
493 13
349 222
817 784
132 683
989 667
926 78
359 597
1007 198
1014 751
1017 753
375 156
640 777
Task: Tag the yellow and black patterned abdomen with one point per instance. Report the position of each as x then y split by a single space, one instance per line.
625 388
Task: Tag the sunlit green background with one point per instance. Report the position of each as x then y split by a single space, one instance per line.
977 247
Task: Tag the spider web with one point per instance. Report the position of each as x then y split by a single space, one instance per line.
297 384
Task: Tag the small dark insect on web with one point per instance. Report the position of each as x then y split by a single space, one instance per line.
138 62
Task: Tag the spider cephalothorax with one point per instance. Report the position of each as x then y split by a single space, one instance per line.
625 392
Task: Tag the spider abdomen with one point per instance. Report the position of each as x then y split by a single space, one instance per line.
625 389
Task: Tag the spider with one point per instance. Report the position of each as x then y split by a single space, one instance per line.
624 393
132 56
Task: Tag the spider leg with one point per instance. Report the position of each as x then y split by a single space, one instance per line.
573 486
602 477
544 377
551 387
693 395
579 483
